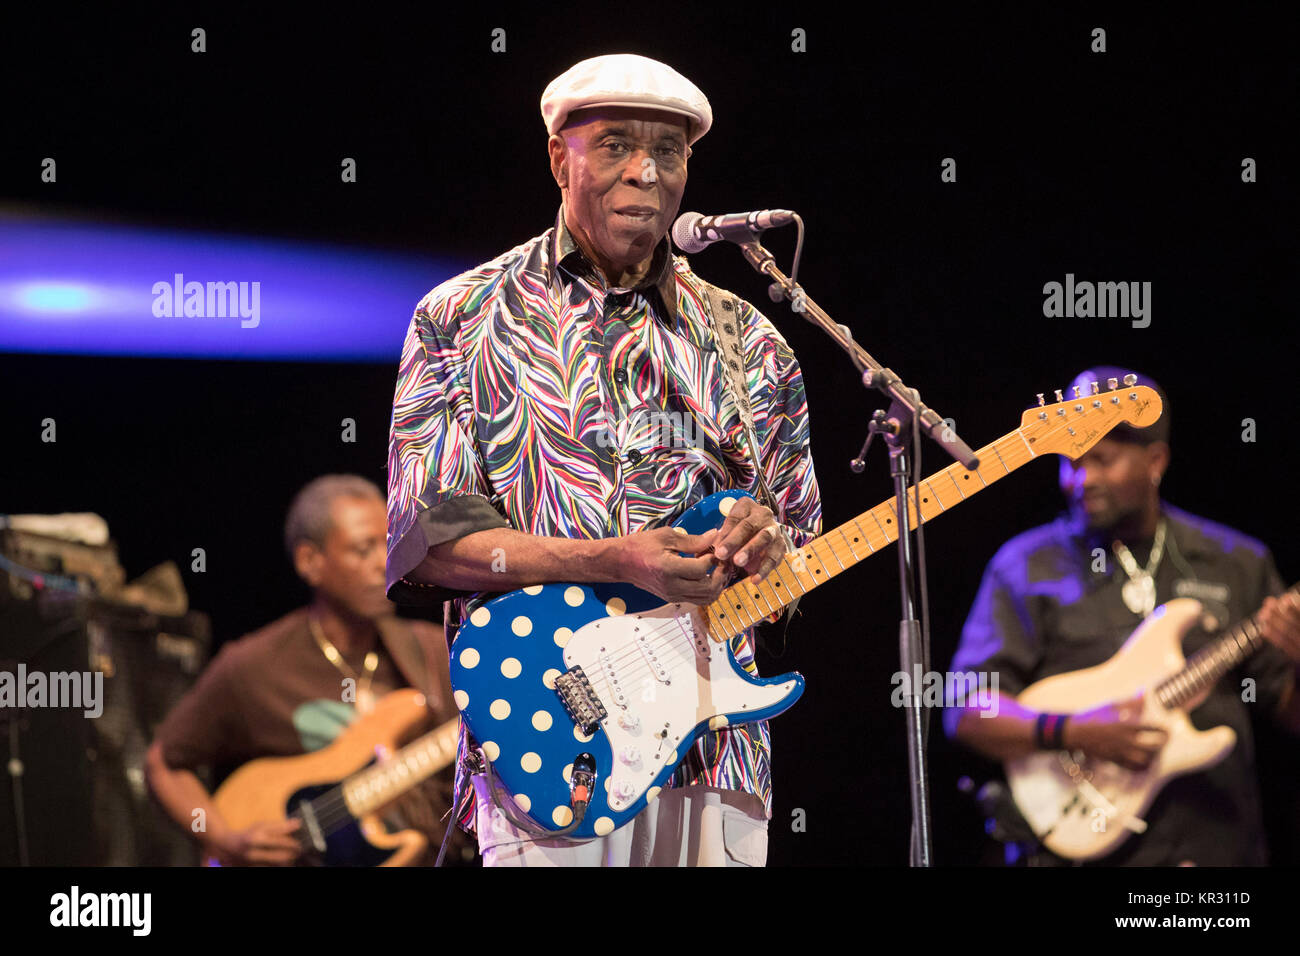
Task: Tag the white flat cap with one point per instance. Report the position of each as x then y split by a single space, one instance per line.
625 79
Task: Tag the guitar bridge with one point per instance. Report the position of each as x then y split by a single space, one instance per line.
580 701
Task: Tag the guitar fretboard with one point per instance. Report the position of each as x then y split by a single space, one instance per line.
743 605
1206 666
369 789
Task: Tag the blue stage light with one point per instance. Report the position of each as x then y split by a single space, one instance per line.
98 289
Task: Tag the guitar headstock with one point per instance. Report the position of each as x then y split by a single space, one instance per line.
1070 427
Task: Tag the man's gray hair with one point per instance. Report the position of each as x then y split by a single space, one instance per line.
309 514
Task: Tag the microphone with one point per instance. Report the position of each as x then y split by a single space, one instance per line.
692 232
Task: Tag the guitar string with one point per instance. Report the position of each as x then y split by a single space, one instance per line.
667 640
781 603
632 651
333 813
1212 661
331 810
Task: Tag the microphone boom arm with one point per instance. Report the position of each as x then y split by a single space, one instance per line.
874 375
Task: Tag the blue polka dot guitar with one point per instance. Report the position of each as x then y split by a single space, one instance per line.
586 697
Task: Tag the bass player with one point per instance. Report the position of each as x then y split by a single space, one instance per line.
294 685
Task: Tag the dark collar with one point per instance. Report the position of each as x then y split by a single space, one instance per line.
1181 529
659 285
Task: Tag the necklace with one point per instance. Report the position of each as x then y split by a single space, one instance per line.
1139 590
365 699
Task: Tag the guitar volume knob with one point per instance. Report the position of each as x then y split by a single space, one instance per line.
630 722
630 755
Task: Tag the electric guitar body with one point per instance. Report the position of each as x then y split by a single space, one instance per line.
526 664
1082 808
338 791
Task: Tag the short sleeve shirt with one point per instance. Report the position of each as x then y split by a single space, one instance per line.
1050 602
273 693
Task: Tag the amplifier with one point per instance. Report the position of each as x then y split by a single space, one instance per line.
72 780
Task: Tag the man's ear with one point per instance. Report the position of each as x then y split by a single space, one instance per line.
307 561
559 154
1158 460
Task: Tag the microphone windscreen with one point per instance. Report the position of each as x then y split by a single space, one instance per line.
684 233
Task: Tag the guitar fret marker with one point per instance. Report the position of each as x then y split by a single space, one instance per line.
864 536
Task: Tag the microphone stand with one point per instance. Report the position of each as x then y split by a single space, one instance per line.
906 414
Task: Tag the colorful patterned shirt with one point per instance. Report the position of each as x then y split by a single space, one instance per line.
531 396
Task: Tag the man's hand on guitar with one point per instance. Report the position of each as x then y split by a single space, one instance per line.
652 561
751 539
1113 732
263 844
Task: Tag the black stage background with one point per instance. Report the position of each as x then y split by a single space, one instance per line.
1123 165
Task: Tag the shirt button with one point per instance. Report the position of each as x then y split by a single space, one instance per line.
634 456
620 376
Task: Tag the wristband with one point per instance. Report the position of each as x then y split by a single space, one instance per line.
1058 732
1049 731
1042 720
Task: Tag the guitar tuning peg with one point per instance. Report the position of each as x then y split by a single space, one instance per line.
1112 384
1059 396
1077 389
1096 389
1130 379
1041 400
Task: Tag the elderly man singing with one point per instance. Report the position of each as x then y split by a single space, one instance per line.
527 443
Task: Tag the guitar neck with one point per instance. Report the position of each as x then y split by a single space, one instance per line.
1204 668
368 790
743 605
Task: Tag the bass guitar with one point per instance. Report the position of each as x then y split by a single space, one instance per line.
1082 808
609 683
338 791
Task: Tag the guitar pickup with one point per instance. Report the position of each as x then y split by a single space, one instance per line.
580 701
650 655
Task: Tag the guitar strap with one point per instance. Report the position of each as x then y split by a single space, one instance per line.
404 647
728 337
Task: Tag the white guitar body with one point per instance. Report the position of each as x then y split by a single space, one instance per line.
1087 814
667 681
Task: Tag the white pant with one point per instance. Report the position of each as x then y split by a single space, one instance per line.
684 826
